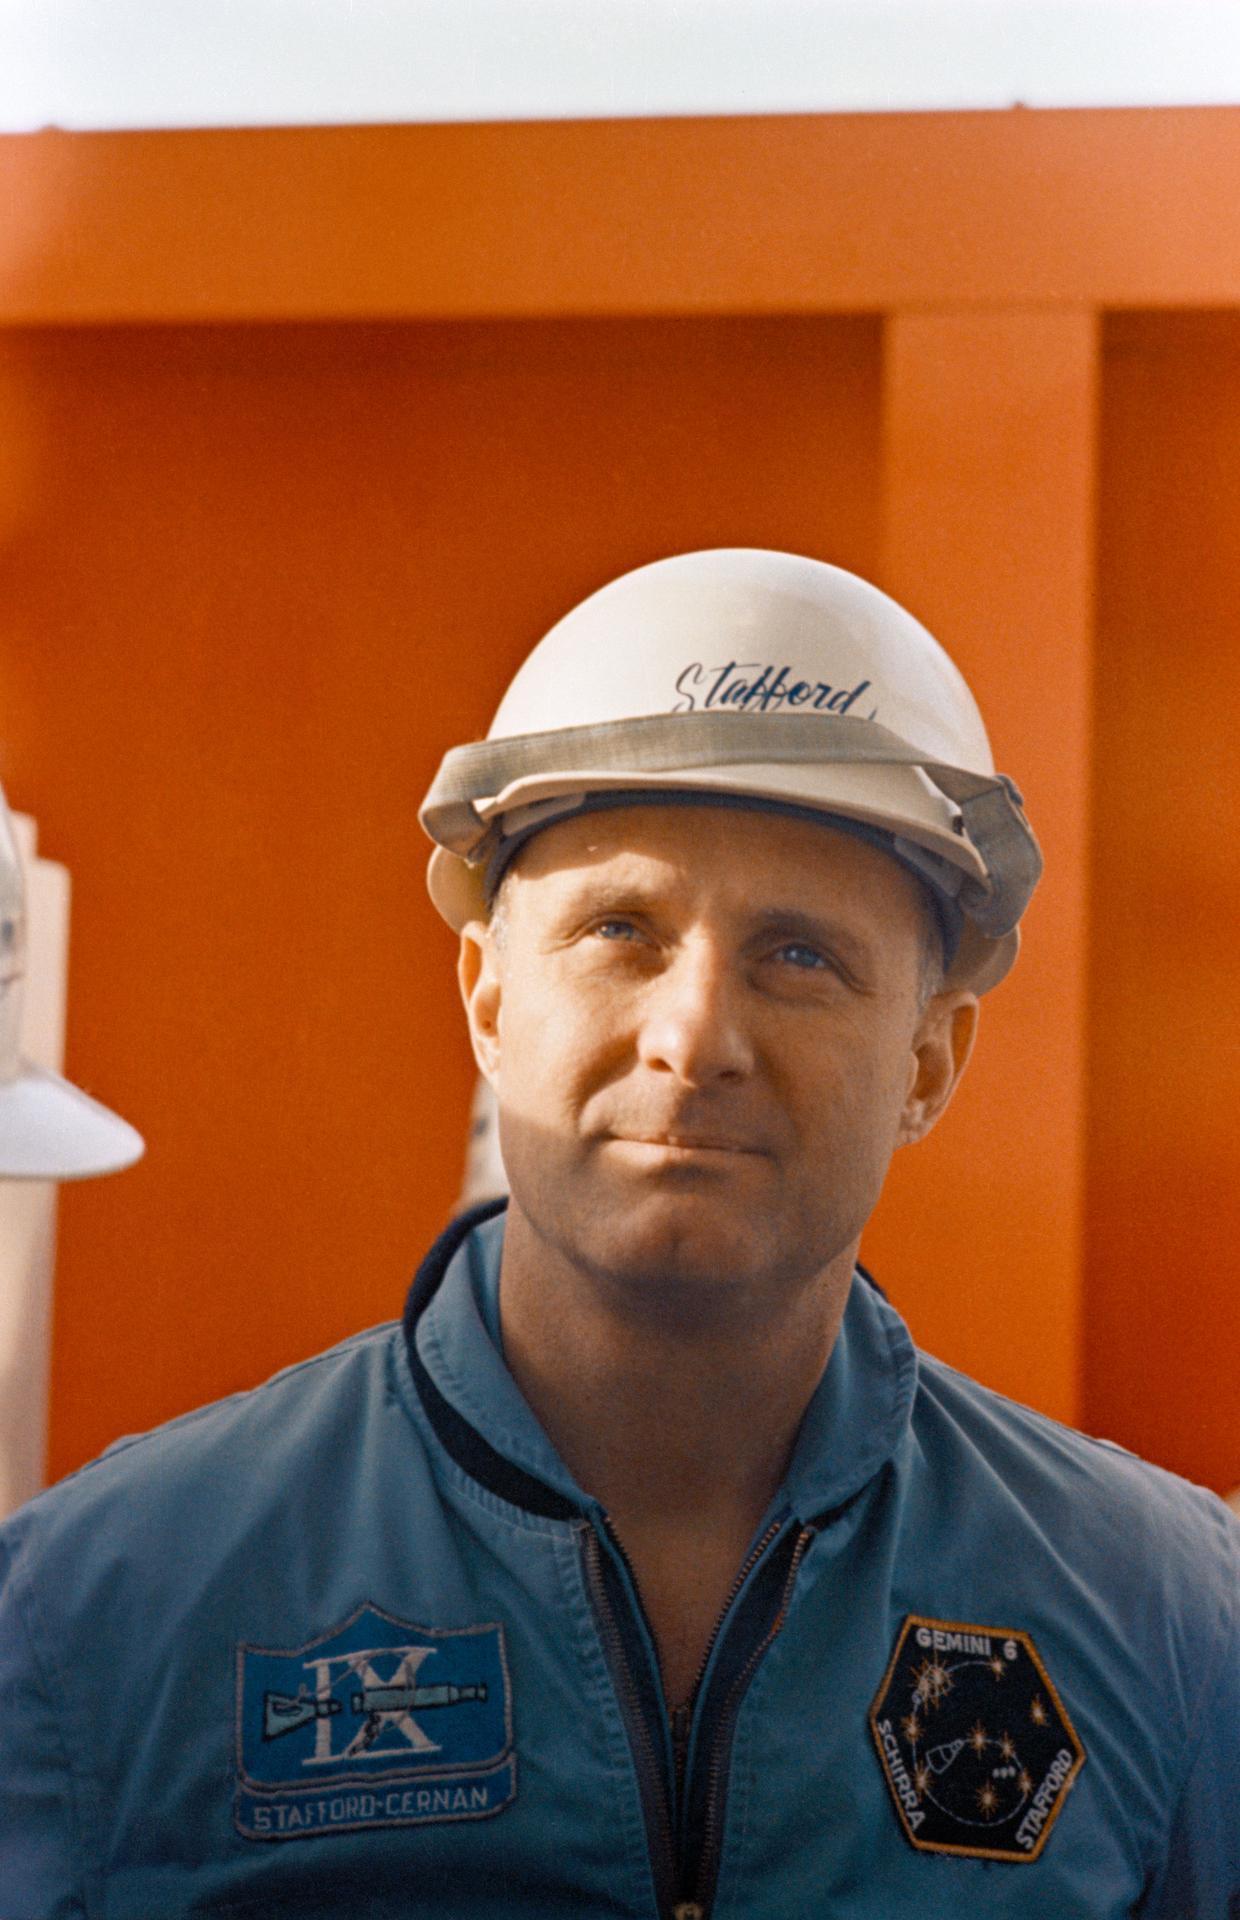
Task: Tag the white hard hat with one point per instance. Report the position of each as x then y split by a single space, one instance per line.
763 678
49 1129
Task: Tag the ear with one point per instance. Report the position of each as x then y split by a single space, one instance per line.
942 1043
478 975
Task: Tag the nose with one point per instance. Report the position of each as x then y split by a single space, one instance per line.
694 1021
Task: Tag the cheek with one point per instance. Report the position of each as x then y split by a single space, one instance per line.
854 1093
554 1043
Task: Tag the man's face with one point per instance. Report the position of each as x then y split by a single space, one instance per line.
705 1031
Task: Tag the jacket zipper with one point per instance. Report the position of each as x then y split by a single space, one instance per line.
698 1908
747 1566
682 1716
666 1867
650 1772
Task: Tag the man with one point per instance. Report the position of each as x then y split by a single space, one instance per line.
647 1570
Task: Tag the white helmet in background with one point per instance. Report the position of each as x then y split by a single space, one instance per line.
767 679
49 1129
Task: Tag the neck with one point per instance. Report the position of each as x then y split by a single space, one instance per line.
672 1424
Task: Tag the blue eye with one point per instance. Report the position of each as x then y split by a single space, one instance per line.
616 930
797 954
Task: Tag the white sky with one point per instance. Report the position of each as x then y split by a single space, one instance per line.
165 63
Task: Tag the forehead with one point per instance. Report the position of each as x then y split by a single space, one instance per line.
736 856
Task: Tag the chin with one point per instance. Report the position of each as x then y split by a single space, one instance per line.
676 1238
686 1245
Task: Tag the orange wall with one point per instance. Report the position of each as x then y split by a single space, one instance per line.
1162 1322
987 501
257 572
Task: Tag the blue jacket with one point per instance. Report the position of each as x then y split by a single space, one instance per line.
356 1643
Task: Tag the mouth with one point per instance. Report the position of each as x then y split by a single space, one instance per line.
689 1144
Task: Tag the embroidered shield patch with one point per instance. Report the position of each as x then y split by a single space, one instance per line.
975 1744
375 1723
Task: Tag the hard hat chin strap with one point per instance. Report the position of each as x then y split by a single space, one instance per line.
993 819
991 816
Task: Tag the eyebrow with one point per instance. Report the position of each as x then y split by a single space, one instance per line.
590 899
793 923
765 923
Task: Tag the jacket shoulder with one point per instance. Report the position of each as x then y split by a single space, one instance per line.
205 1460
1135 1523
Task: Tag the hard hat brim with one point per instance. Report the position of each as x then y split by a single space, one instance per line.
895 799
51 1130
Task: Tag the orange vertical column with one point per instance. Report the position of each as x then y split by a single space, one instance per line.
988 536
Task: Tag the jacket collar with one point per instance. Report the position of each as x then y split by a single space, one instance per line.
855 1422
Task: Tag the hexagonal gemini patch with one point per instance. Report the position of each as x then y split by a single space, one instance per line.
974 1741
